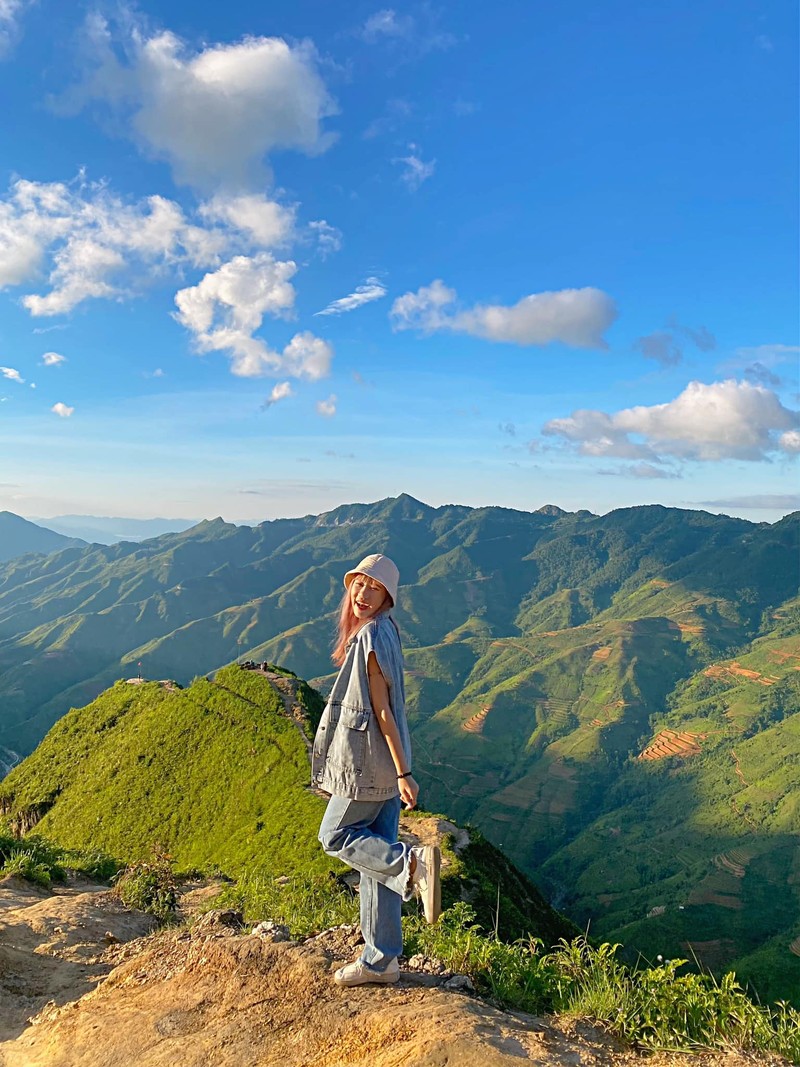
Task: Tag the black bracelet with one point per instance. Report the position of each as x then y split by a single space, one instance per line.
406 775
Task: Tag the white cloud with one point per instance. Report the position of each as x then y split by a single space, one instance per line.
329 239
327 408
10 11
91 243
12 375
226 307
279 392
212 114
723 420
416 170
62 410
52 359
576 317
372 289
266 222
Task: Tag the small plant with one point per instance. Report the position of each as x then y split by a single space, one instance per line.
150 886
516 974
306 905
34 859
25 865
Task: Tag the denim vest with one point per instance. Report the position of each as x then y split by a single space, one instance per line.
350 756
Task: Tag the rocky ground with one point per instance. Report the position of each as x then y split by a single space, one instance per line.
86 982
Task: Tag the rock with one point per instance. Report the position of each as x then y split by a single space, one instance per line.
271 931
223 921
459 983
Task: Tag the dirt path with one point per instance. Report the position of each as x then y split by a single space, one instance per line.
212 996
52 945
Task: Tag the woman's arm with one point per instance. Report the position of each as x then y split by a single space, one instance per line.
379 695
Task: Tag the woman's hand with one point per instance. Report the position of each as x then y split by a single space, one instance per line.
409 791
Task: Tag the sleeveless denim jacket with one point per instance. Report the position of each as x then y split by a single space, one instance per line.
350 757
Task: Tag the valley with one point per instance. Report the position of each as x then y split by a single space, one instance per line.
611 699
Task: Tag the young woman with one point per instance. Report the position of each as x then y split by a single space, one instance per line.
362 758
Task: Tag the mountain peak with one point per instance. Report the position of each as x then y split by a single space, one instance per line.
551 509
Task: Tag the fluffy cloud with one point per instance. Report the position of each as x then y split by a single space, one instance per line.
415 169
214 114
266 222
53 359
227 306
723 420
280 391
91 243
327 408
62 410
372 289
12 375
576 317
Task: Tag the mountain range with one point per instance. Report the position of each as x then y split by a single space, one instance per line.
610 698
18 537
108 530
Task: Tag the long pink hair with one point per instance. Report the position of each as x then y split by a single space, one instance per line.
349 625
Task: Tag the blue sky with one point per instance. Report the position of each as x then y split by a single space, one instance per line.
259 260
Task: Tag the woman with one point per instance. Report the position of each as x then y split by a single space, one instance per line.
362 758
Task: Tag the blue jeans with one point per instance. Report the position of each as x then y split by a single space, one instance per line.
363 834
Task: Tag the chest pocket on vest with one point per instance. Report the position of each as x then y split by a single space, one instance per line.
349 744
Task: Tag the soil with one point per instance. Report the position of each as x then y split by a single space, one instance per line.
86 982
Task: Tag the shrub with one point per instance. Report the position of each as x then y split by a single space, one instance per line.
26 866
34 859
150 886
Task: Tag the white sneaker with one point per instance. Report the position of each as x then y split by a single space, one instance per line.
360 973
426 880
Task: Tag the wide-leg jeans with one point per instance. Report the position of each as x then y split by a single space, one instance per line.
363 834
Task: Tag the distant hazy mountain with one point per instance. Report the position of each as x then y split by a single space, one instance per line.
18 536
546 653
107 530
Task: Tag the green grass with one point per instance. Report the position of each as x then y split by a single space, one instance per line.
41 862
218 778
653 1007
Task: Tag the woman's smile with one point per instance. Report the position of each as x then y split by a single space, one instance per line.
366 597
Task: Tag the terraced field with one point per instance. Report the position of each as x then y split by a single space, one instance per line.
673 743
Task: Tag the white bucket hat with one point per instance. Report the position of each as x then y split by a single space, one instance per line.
382 569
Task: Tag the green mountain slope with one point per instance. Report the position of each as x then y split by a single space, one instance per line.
545 651
219 775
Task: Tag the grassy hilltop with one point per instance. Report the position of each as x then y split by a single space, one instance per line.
547 652
218 774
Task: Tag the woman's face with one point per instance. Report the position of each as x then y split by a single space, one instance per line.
367 597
